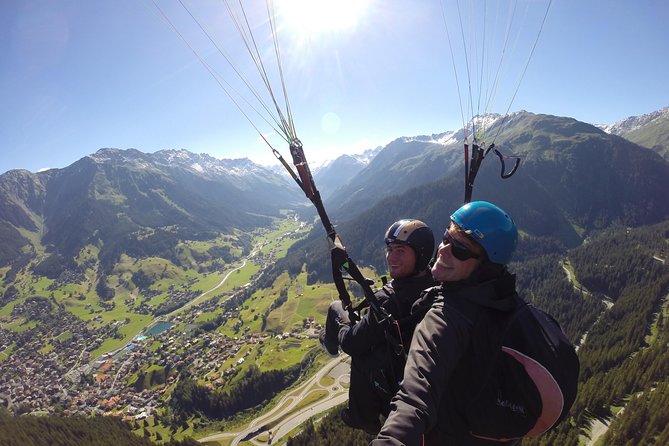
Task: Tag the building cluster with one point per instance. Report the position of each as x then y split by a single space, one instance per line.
47 365
64 378
37 373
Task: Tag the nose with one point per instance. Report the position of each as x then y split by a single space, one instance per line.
443 249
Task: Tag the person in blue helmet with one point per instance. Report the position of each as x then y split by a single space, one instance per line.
376 363
471 261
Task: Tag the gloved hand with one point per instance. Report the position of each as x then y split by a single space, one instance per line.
340 315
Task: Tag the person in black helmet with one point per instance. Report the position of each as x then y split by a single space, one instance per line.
375 349
471 261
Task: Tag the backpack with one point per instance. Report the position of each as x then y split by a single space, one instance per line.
522 371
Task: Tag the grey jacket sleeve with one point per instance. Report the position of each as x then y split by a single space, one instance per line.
439 342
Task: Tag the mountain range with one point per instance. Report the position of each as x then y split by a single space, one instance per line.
334 174
574 178
409 162
119 199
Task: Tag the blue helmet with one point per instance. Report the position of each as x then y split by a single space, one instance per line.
490 227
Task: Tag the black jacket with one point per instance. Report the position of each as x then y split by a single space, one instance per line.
426 409
369 333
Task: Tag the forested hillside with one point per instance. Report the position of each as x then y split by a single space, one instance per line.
72 431
254 388
623 354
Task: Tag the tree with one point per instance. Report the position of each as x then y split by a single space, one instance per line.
103 290
141 280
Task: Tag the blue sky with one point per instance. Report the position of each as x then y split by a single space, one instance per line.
77 76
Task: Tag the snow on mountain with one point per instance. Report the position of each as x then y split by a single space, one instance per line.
202 163
457 136
445 138
633 122
368 155
363 159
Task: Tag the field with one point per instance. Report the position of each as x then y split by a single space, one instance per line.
284 319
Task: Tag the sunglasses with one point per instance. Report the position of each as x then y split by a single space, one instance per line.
458 249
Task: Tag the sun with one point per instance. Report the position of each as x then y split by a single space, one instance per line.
313 17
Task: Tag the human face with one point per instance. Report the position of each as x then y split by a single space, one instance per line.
459 250
401 260
448 268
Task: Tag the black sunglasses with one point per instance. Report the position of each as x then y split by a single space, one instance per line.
458 249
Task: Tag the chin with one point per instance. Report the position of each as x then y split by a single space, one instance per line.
439 277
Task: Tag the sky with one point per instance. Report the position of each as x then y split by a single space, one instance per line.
80 75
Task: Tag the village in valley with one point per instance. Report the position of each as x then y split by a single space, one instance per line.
50 366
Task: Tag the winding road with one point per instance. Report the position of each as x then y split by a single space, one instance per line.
597 427
286 415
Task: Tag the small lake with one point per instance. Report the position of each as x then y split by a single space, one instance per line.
159 328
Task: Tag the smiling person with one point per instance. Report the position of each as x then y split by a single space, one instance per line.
471 264
376 366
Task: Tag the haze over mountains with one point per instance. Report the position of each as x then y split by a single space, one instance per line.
573 178
336 173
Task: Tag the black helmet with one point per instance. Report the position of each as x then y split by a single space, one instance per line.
415 234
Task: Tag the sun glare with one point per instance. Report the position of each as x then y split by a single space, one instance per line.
312 17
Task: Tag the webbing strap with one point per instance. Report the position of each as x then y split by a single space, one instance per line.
341 262
472 165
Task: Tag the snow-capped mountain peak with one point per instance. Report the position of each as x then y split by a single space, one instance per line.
633 122
458 136
201 163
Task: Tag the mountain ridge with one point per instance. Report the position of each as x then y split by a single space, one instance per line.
632 123
649 130
537 139
574 180
108 197
130 189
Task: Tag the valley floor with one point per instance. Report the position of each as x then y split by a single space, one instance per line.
135 380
